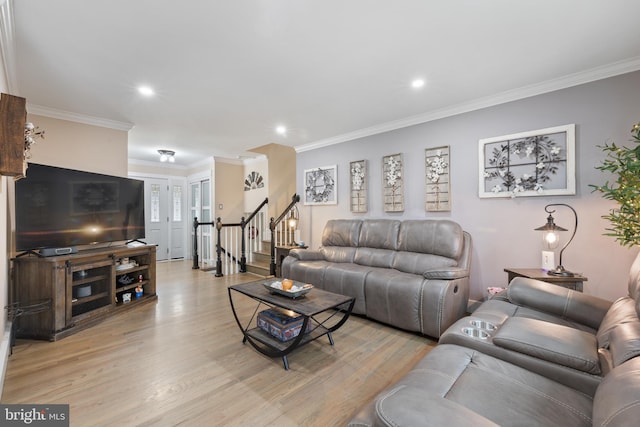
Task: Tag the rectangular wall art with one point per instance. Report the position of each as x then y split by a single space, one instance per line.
320 186
437 185
534 163
359 180
393 181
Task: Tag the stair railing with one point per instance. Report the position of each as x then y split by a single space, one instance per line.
286 233
232 239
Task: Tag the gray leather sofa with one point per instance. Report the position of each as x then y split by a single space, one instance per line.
542 355
411 274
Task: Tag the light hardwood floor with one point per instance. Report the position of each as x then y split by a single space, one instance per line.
181 361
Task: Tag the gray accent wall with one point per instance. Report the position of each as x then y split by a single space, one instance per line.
502 229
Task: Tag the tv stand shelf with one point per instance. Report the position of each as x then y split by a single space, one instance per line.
83 288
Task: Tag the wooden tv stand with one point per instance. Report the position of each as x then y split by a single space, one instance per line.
78 290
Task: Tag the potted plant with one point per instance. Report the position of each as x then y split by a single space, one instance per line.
624 163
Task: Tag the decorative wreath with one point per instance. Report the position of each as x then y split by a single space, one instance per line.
319 185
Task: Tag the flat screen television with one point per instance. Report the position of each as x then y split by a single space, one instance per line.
61 208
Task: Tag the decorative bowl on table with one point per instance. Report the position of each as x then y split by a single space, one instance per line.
297 290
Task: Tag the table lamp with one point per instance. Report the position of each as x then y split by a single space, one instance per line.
551 239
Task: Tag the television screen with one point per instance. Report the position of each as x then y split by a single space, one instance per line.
57 207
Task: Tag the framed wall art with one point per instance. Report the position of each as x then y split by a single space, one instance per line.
534 163
320 186
393 183
437 183
359 180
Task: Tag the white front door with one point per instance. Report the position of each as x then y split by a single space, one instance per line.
156 215
178 222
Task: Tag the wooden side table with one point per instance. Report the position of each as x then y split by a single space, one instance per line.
281 254
574 282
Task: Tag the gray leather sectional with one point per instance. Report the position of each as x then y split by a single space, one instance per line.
540 355
412 274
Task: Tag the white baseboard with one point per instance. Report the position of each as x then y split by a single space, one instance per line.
5 350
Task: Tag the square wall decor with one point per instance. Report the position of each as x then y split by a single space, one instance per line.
534 163
320 186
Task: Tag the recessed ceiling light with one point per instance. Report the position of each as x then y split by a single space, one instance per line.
417 83
146 90
281 130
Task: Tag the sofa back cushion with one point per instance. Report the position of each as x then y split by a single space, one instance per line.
379 234
377 242
623 310
617 401
341 232
340 239
437 237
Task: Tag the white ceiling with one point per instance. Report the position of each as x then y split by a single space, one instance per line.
227 72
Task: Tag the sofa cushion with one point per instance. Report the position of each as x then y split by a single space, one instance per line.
623 310
394 297
347 279
374 257
437 237
481 388
379 233
499 311
554 343
415 263
624 343
617 400
557 300
341 232
338 253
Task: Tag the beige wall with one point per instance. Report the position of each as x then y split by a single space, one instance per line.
253 198
281 176
80 146
229 191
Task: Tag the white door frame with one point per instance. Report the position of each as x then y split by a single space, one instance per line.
170 225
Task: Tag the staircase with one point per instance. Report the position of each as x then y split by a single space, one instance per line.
241 247
260 260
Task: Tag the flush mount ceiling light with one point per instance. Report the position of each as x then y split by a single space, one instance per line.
167 156
146 91
417 83
281 130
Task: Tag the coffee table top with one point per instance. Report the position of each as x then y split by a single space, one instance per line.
314 302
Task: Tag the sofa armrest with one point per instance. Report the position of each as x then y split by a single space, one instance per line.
449 273
547 341
554 299
306 254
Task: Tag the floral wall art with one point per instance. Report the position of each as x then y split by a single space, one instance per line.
320 186
359 179
393 183
534 163
437 187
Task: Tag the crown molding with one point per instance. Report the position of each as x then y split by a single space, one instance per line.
594 74
79 118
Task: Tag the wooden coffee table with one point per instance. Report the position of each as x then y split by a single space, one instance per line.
323 313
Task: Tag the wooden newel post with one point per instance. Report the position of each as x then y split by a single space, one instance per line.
243 247
272 264
196 263
218 249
